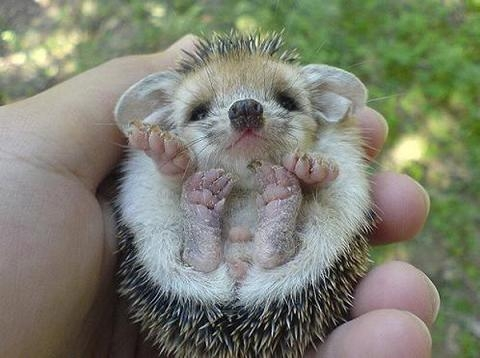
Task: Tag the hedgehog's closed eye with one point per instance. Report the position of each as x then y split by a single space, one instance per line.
287 102
199 112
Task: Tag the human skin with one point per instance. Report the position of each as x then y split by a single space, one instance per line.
57 244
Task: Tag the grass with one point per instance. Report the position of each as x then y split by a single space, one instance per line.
420 61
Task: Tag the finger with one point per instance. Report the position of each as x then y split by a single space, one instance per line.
72 123
374 130
125 337
379 334
397 285
402 206
146 350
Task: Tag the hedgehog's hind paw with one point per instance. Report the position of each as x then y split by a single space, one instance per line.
203 198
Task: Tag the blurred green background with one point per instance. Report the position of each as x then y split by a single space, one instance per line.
419 59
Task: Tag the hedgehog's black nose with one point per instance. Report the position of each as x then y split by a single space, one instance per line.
246 113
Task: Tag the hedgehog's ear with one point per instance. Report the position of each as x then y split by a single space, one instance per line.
335 94
148 101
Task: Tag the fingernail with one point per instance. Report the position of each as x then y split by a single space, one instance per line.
426 197
422 326
367 111
435 299
384 124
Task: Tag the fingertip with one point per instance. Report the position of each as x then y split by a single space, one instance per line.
169 57
397 285
425 196
186 43
402 206
374 130
379 334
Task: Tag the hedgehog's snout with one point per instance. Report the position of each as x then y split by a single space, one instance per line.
246 114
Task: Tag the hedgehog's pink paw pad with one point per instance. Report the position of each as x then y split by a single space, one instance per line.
271 254
165 149
311 169
205 193
203 254
277 184
278 204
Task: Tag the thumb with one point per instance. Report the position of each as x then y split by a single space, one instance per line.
70 127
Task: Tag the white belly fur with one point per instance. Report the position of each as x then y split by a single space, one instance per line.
331 218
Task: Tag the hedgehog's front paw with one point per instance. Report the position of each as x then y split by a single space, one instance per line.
278 204
166 150
203 199
311 169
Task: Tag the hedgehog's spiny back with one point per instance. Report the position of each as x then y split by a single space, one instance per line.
235 43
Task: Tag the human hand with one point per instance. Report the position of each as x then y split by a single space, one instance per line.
57 246
395 304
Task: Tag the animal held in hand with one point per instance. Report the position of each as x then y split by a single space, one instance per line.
244 201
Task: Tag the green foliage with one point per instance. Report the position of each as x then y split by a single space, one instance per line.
419 59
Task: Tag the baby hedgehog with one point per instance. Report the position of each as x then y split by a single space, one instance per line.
244 200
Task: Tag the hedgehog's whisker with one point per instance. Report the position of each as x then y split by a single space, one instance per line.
377 99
